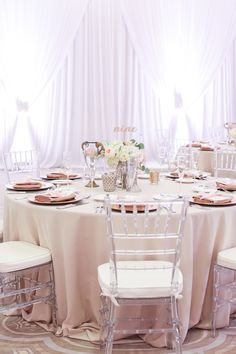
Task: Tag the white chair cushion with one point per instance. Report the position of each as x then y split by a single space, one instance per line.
139 282
227 258
17 255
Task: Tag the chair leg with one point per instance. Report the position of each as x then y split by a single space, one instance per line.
215 297
175 320
104 312
53 300
110 328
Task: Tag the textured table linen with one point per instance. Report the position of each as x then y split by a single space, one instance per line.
77 238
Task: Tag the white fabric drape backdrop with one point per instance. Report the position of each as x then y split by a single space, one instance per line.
34 40
100 86
86 66
180 45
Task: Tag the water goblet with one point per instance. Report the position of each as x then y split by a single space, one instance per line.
67 164
181 165
92 150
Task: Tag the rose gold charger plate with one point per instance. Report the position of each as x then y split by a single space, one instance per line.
232 202
77 199
32 188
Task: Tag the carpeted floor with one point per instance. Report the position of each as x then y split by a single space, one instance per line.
20 337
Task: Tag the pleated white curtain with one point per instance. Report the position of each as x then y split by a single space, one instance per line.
80 68
100 86
181 45
34 40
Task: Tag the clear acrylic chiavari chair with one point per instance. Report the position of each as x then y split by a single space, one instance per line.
225 163
20 164
143 269
21 284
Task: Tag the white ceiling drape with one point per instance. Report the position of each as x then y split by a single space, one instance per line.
80 68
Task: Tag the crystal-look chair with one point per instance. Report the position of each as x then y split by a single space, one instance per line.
145 241
224 284
225 163
18 164
22 265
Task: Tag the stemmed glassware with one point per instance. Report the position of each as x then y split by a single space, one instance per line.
92 150
132 175
181 167
67 164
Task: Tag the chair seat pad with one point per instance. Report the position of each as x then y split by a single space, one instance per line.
227 258
17 255
155 282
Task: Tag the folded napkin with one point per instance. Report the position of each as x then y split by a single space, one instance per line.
27 185
130 207
54 197
206 148
196 144
174 173
187 174
214 199
60 175
229 186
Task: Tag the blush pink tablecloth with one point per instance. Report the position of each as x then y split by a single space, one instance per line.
77 238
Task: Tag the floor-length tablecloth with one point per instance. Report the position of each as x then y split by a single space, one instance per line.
77 238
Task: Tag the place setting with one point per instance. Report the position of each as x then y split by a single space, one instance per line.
58 197
28 186
226 184
217 199
60 176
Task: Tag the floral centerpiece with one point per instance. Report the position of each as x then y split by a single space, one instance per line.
120 153
123 151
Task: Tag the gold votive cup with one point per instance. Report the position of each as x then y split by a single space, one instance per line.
154 176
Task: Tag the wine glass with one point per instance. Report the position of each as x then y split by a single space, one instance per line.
67 164
91 151
181 167
132 175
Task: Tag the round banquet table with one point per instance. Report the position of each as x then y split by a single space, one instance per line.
206 158
77 239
